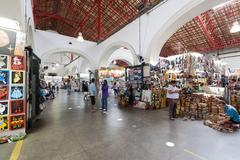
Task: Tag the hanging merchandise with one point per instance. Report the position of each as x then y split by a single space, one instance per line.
12 83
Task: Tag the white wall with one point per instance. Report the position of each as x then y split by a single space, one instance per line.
156 27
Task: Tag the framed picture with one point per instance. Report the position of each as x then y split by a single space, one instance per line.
3 107
4 62
17 107
17 63
7 42
16 92
3 93
16 122
4 77
17 77
4 123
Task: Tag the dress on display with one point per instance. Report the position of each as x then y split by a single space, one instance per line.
16 93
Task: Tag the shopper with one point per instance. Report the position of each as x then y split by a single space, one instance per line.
115 88
85 90
92 90
130 95
173 96
105 95
68 86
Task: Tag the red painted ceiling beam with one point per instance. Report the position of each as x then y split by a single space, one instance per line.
217 39
84 19
99 19
207 34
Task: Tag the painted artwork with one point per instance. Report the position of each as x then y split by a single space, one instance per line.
17 63
3 108
3 123
16 92
4 59
7 42
3 93
16 122
4 77
17 107
17 77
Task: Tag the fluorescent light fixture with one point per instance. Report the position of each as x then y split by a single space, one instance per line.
235 27
119 119
221 5
69 108
53 68
57 64
80 37
9 24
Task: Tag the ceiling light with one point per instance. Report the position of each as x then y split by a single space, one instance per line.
9 24
235 27
53 68
115 62
57 64
80 37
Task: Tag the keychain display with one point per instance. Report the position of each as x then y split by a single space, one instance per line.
17 63
3 107
17 107
4 77
4 123
16 92
17 77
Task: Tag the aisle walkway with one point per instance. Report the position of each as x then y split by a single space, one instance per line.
68 130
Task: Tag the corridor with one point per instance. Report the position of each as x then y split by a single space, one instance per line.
67 130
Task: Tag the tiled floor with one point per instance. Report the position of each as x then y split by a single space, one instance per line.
123 134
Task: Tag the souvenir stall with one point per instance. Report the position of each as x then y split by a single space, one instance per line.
12 82
111 74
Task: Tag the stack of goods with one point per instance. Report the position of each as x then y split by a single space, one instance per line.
217 119
155 98
235 99
192 106
163 98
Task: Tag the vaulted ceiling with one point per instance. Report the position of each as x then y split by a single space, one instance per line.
96 19
207 32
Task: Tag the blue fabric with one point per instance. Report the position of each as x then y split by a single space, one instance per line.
104 102
232 113
92 89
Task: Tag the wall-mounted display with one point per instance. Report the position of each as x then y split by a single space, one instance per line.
4 77
7 41
17 77
3 107
3 93
17 107
16 92
16 122
17 63
4 123
4 62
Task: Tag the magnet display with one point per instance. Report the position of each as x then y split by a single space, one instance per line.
3 107
17 107
16 122
4 123
17 77
16 92
17 63
3 93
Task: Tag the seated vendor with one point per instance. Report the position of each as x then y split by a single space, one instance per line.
231 112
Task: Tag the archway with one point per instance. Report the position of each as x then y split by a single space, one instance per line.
106 55
187 13
74 51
